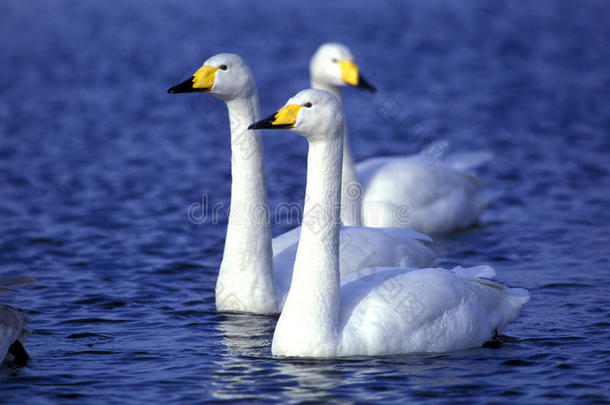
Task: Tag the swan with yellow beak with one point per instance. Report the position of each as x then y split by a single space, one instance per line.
255 271
333 66
441 197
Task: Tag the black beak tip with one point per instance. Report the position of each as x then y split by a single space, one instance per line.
266 123
368 86
184 87
362 83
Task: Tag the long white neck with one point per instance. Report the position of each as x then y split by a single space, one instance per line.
309 320
245 282
351 189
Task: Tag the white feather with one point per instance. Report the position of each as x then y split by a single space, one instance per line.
255 272
382 310
429 192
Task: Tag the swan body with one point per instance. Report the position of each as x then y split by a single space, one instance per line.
450 199
361 248
13 331
391 310
429 195
255 273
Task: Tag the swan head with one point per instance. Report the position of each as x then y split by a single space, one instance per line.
226 76
333 65
312 113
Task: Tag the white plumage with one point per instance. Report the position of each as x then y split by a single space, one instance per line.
255 273
431 195
390 311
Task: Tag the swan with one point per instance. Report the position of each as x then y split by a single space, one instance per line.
428 192
392 310
255 272
13 332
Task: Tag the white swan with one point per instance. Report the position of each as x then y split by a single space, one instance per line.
13 332
429 195
254 277
394 310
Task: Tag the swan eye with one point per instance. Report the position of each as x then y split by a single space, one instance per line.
223 67
335 60
307 105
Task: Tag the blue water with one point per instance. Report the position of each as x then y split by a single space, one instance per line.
98 166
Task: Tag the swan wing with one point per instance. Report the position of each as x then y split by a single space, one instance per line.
429 196
360 248
365 247
424 310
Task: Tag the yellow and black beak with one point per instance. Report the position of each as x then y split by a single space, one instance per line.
351 75
201 82
284 118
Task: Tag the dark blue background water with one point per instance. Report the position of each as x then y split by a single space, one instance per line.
98 166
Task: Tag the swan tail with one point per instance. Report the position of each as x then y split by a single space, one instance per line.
466 161
514 298
483 201
518 297
511 306
511 301
482 271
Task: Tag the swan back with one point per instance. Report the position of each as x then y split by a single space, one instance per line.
424 310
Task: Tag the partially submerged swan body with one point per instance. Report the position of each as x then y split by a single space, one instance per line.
390 311
255 272
13 331
431 195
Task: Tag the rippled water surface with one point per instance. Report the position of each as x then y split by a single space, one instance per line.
98 166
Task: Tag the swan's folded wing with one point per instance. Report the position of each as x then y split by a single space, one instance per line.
425 310
422 191
364 247
360 248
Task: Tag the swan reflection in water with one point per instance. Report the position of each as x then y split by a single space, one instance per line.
247 356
